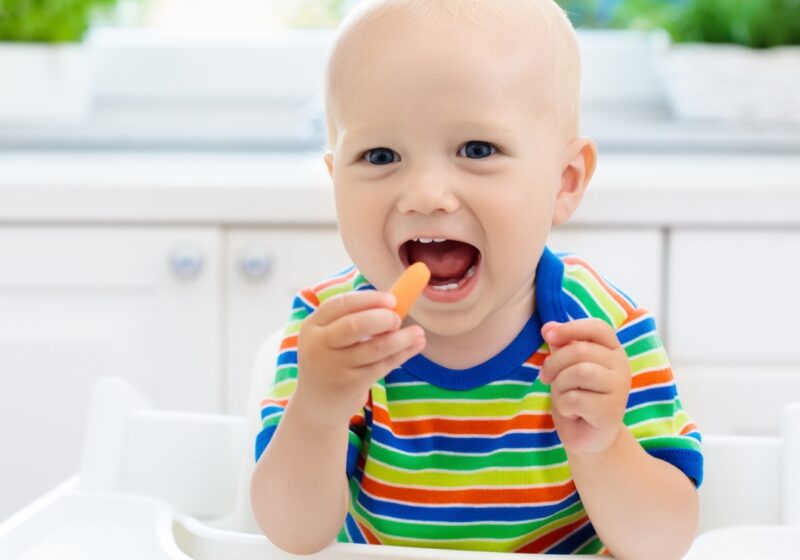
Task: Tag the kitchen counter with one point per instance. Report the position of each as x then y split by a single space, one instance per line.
636 189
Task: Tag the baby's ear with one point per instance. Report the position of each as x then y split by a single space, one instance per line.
328 157
575 177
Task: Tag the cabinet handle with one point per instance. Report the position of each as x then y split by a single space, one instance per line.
256 263
187 262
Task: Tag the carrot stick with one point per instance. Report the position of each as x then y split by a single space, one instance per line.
409 287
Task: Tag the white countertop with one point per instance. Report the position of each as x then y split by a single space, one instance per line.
278 189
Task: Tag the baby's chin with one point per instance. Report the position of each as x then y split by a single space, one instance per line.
446 323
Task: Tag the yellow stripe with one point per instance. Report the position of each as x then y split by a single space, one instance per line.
489 409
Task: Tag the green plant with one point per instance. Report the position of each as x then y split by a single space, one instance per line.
47 21
752 23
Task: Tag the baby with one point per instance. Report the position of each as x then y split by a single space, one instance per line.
526 404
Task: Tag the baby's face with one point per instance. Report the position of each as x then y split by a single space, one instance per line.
445 140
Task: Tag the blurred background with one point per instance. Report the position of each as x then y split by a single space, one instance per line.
163 196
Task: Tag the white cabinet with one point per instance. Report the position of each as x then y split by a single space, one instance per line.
264 270
77 304
733 308
734 296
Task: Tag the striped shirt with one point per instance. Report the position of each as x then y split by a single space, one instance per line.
470 459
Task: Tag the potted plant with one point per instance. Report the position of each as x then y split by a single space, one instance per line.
44 62
732 60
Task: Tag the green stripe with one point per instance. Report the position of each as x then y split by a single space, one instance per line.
646 344
524 458
431 392
671 442
451 479
649 412
599 294
577 289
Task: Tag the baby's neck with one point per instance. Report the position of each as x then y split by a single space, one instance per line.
484 342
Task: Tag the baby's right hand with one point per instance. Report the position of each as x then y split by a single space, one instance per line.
345 346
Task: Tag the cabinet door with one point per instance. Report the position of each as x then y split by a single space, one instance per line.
631 259
77 304
734 296
265 268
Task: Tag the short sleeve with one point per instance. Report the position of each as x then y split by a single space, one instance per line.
285 382
654 413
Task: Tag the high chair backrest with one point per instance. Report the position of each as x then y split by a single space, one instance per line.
190 460
262 377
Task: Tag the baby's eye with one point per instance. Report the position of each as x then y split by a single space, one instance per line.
379 156
477 149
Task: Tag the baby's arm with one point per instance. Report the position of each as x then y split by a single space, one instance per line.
299 493
641 506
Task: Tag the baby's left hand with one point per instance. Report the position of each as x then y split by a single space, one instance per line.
591 380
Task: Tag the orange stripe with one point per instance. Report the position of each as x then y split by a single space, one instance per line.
289 342
369 535
278 402
546 541
310 296
336 280
690 427
611 291
461 427
537 359
652 378
467 495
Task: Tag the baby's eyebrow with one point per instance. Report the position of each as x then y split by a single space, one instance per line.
365 132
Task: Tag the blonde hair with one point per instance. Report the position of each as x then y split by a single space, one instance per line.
540 18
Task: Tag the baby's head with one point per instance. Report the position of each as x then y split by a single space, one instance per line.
457 120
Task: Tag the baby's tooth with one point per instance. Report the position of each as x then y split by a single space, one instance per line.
445 288
425 240
470 272
439 239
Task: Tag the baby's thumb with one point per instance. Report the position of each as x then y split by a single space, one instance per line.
548 334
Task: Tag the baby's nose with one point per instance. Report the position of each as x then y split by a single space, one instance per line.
426 194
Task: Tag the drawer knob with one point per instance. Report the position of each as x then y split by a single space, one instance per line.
187 262
256 262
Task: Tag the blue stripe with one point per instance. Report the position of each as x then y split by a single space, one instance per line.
426 444
463 514
687 460
270 409
521 374
572 308
572 543
626 334
262 440
651 395
287 358
300 303
353 531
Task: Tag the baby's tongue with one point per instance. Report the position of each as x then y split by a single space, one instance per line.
446 260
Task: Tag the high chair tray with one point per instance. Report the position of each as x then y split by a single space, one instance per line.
69 524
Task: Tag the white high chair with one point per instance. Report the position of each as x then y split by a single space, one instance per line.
175 486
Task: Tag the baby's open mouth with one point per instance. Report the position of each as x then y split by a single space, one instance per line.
451 262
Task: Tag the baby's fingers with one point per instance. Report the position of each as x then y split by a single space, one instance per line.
356 327
349 303
382 368
385 346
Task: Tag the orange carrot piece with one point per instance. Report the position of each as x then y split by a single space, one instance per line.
409 287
